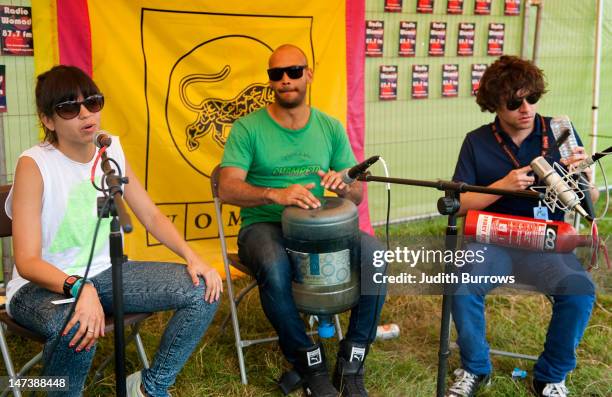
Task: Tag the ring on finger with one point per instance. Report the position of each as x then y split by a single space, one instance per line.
90 331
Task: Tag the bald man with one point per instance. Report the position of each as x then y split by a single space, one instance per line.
287 154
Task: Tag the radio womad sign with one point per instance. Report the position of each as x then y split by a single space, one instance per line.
437 39
182 86
465 39
425 6
387 90
420 81
454 7
374 38
482 7
16 24
495 42
512 7
478 70
3 89
393 5
407 39
450 80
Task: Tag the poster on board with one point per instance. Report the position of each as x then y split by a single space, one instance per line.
374 38
437 39
407 39
420 81
16 25
387 77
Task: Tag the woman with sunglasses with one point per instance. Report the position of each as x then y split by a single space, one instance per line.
498 155
54 211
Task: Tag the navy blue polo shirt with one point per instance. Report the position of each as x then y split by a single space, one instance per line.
482 161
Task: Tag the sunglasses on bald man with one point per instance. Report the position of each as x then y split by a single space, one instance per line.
293 72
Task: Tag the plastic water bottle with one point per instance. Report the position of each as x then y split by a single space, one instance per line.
558 125
387 331
326 328
518 373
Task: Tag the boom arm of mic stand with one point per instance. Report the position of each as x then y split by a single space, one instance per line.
114 183
453 186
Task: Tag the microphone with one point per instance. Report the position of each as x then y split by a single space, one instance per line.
102 139
352 173
589 161
560 125
558 192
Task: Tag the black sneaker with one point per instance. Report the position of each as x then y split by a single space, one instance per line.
467 384
543 389
312 367
348 375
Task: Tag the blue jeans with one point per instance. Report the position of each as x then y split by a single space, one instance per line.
560 275
148 287
261 247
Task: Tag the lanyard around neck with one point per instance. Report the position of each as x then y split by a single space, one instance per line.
507 150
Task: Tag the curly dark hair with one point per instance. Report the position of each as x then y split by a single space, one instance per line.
58 84
504 78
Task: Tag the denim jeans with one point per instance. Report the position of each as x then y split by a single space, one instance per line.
148 287
560 275
261 247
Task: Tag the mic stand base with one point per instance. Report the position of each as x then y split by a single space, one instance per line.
447 205
117 261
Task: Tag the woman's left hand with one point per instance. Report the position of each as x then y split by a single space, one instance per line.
214 285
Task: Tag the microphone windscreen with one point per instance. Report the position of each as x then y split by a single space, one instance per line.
102 139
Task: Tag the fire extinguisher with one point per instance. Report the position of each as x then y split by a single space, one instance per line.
522 232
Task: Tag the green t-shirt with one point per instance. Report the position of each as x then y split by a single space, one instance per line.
277 157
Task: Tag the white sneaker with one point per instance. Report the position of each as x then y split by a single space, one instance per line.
133 383
467 384
550 389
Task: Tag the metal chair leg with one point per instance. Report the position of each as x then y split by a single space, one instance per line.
142 354
237 300
238 339
7 362
338 327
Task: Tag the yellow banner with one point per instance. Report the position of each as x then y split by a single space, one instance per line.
177 74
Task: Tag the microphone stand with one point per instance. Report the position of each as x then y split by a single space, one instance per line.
449 205
120 218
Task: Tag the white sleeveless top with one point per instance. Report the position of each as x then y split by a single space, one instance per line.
69 213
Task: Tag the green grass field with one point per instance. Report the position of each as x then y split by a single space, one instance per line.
405 366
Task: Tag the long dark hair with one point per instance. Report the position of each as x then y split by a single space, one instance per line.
58 84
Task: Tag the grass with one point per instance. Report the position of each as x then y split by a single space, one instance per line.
405 366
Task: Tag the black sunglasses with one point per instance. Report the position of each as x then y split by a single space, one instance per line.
516 103
293 72
70 109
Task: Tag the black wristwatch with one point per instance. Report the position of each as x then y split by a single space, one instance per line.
68 283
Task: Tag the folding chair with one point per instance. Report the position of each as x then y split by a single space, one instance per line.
132 320
232 260
528 289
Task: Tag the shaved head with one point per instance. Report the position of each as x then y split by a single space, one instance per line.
286 55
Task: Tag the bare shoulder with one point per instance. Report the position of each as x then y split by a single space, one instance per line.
27 174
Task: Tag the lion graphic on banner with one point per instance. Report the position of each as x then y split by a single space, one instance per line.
215 116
